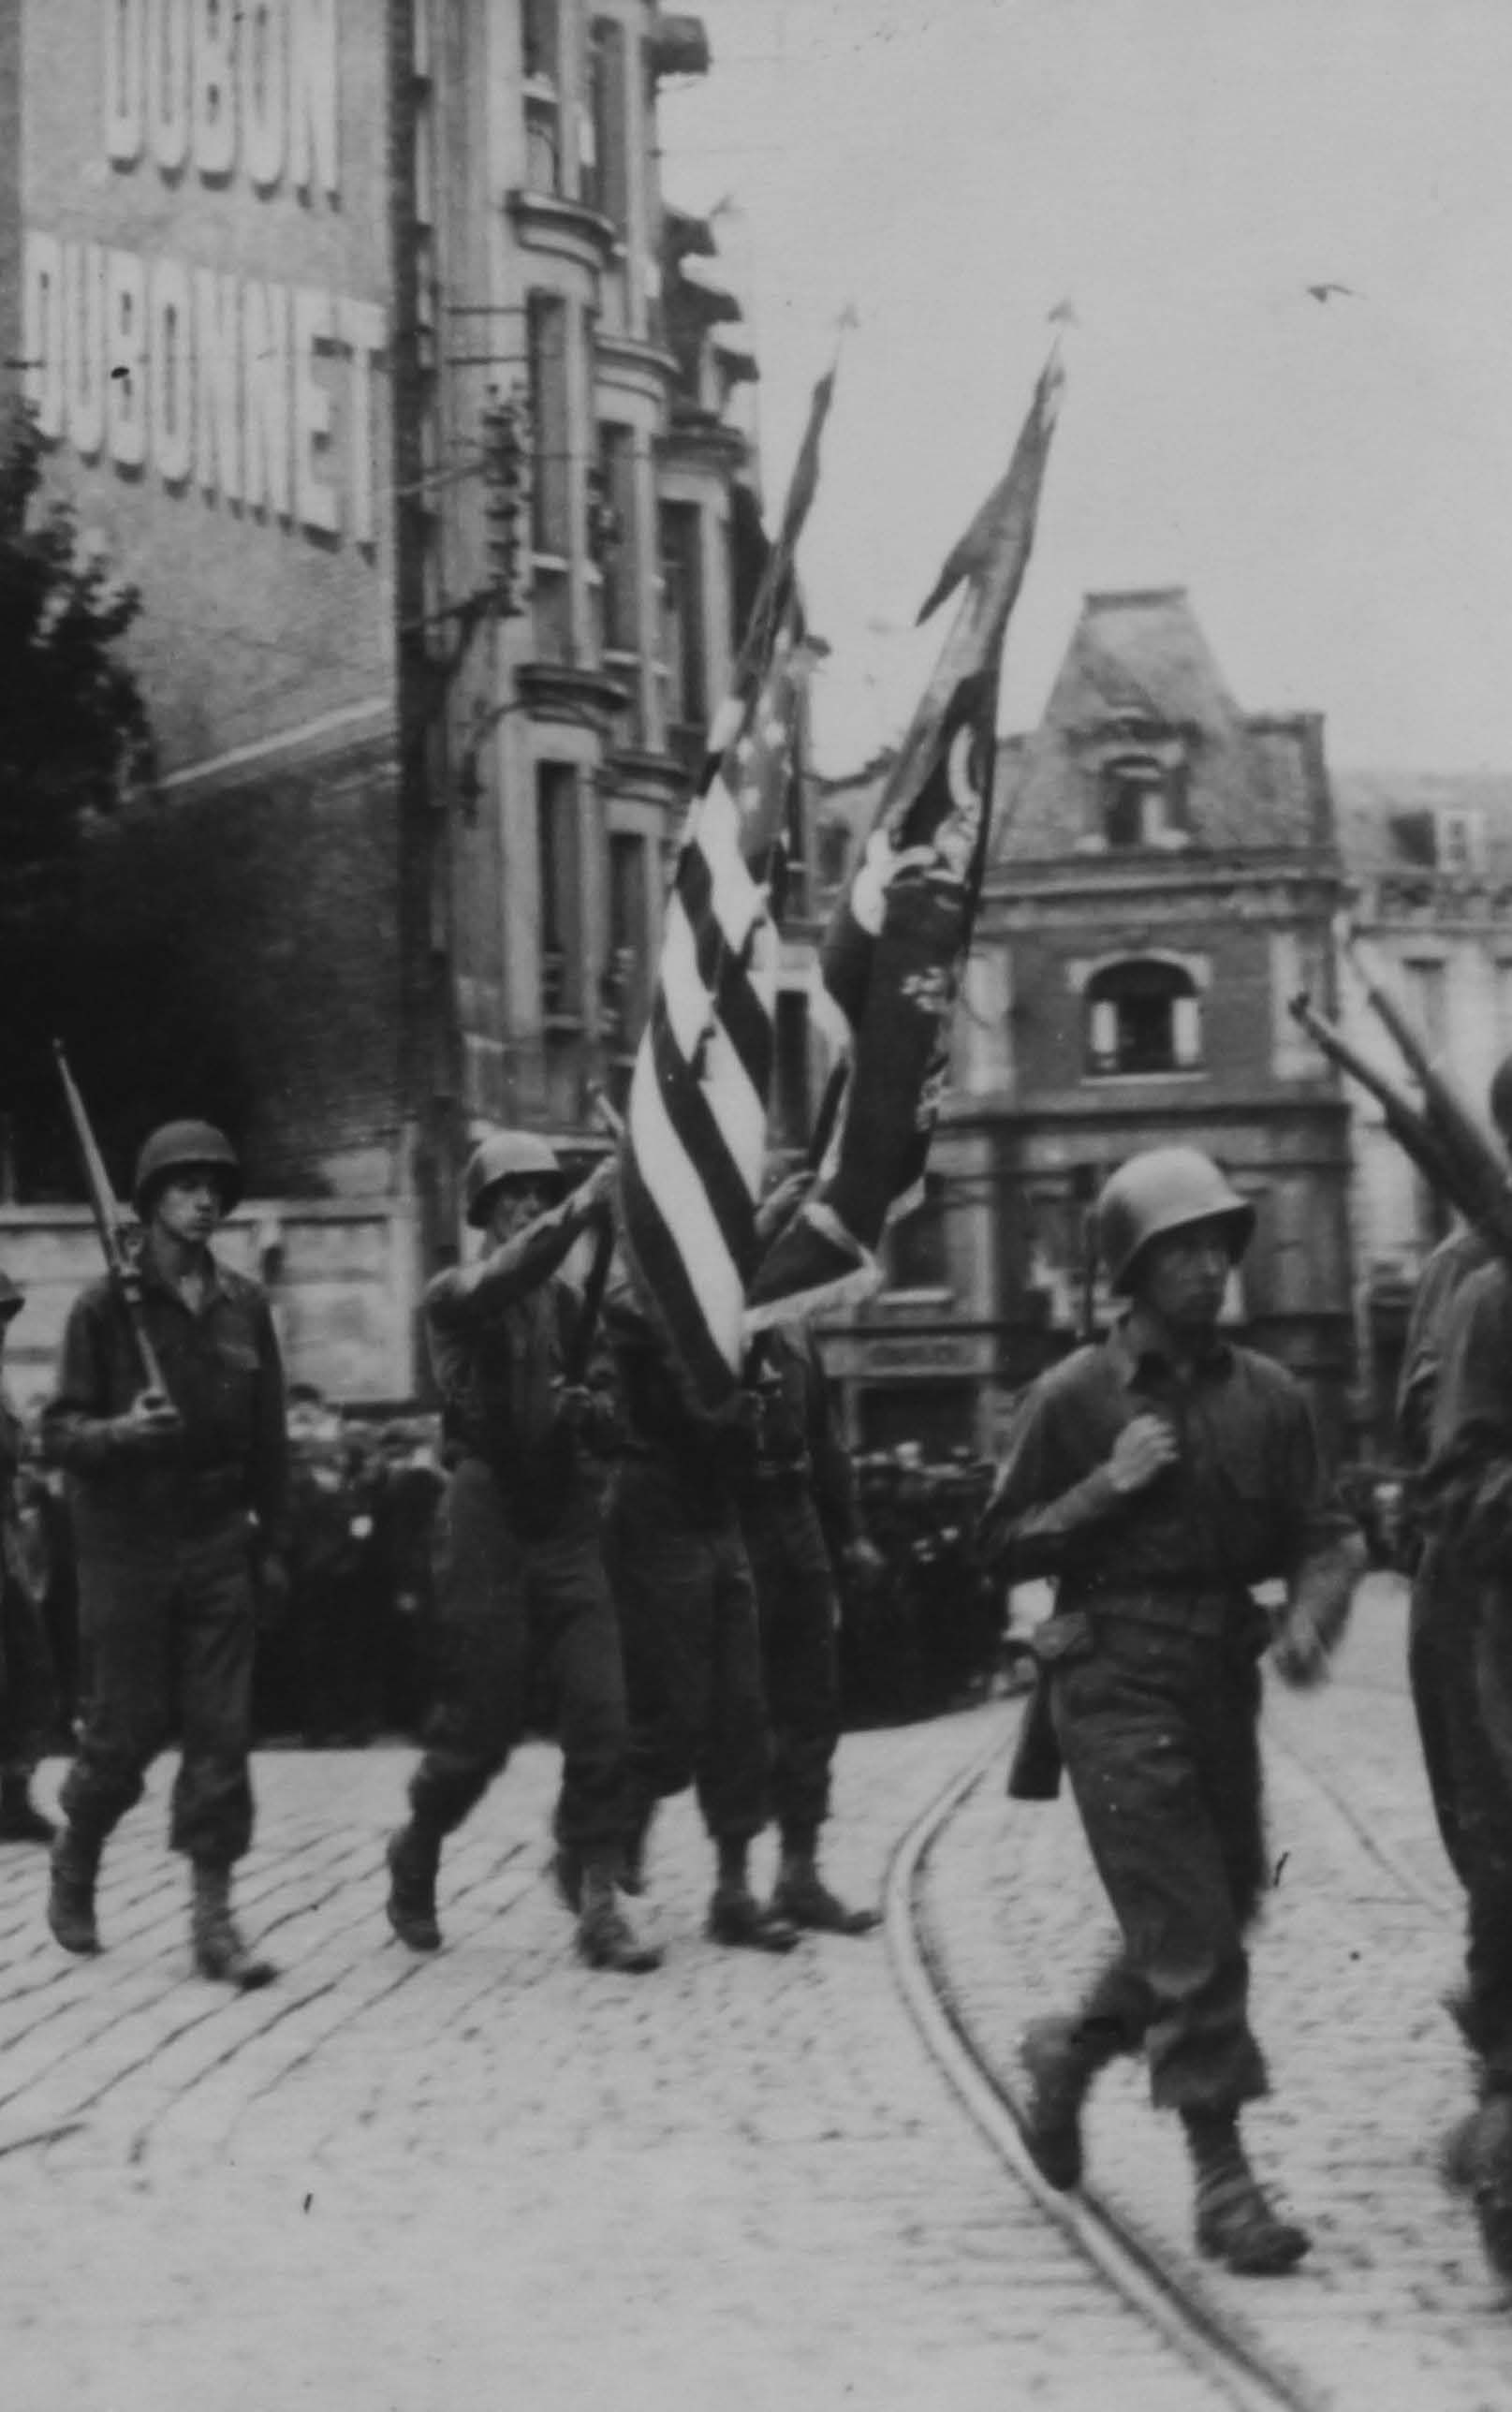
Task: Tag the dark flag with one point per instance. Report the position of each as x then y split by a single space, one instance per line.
891 961
695 1140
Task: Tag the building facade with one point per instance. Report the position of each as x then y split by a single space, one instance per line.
1165 877
1430 864
361 334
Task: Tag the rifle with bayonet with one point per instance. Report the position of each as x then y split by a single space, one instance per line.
111 1223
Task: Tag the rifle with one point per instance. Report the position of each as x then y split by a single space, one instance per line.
580 1355
110 1223
1446 1143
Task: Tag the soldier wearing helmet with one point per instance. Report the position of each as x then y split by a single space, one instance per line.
1157 1476
177 1499
1455 1422
519 1563
28 1688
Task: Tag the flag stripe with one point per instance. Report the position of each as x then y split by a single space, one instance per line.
685 1108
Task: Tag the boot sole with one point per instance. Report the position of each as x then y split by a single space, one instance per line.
81 1947
418 1940
1272 2260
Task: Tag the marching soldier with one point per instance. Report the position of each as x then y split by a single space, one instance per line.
1159 1475
798 1512
1439 1661
682 1581
1462 1678
28 1706
169 1496
519 1554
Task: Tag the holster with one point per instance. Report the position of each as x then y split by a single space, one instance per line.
1034 1770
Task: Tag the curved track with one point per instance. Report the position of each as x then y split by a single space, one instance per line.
1237 2373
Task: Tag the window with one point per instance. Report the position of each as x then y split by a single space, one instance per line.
916 1251
558 856
1143 804
1460 841
540 37
611 533
1143 1017
606 181
682 551
683 613
629 938
546 329
1427 1001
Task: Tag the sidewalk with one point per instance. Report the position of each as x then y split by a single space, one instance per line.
493 2178
1394 2307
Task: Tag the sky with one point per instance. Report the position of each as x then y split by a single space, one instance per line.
1331 482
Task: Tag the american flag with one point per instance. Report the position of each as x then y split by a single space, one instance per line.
695 1140
891 959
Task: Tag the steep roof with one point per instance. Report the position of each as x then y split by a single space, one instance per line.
1390 820
1139 670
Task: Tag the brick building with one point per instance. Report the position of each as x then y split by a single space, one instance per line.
361 333
1164 875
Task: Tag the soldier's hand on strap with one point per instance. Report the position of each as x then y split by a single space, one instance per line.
1142 1451
151 1427
1299 1653
864 1562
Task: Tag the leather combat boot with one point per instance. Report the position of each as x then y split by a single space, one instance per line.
637 1840
1236 2223
605 1938
219 1952
803 1899
413 1860
70 1901
1060 2067
20 1820
735 1915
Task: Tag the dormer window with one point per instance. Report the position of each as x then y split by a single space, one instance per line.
1461 842
1144 1018
1143 804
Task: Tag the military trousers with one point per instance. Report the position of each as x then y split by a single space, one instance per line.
170 1625
1159 1733
501 1597
28 1688
682 1586
799 1612
1459 1662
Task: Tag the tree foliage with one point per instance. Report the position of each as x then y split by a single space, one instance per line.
93 922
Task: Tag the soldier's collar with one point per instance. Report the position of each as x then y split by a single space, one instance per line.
1136 1353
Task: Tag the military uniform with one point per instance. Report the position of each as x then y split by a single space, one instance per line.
796 1503
165 1549
683 1585
1155 1685
519 1567
1466 1596
1438 1665
1158 1478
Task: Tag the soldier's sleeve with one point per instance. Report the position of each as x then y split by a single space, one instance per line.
603 1431
1044 1504
1467 1483
464 1295
269 1440
1326 1551
78 1420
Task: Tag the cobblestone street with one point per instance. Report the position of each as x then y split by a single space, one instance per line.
496 2178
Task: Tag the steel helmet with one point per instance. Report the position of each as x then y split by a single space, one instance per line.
1164 1189
185 1147
508 1156
11 1299
1500 1099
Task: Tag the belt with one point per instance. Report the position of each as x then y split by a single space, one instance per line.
1207 1611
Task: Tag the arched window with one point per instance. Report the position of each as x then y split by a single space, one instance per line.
1143 1016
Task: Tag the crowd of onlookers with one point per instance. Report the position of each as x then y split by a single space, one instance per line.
350 1654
